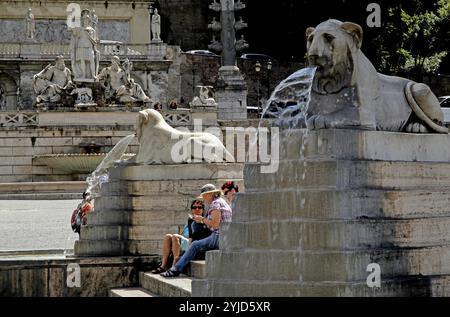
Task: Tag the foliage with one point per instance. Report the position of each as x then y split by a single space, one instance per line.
415 36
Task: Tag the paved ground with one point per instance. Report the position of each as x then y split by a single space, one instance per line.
36 224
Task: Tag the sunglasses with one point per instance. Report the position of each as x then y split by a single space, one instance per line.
197 207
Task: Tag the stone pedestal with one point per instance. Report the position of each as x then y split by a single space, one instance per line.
231 94
141 204
349 199
157 50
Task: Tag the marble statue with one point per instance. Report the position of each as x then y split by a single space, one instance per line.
94 24
119 85
238 5
159 143
348 92
52 82
215 6
240 24
156 26
241 44
2 99
205 97
30 24
215 25
85 55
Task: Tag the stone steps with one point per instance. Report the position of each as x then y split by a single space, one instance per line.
321 266
326 144
154 285
166 287
197 269
345 204
41 196
416 286
42 190
307 234
130 292
348 174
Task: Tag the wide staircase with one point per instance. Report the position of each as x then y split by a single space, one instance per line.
42 190
154 285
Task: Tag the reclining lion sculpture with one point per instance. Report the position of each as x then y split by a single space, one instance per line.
347 91
159 143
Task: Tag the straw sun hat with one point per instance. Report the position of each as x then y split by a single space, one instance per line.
208 188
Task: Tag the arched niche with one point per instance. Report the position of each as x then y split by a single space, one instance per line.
8 89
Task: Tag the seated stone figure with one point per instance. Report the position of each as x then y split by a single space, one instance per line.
205 97
118 84
348 92
53 82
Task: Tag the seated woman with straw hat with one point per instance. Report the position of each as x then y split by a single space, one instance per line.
219 211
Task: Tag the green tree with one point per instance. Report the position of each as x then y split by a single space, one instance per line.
415 37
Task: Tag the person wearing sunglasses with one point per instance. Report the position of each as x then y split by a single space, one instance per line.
218 212
229 189
174 245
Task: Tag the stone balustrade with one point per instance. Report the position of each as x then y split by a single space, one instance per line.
18 119
182 117
51 50
9 50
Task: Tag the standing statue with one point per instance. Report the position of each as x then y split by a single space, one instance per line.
119 85
30 24
241 44
52 82
156 26
84 50
215 45
94 21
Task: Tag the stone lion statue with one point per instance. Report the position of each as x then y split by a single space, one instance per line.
347 91
159 143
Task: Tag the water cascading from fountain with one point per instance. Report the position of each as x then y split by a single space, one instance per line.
100 174
288 103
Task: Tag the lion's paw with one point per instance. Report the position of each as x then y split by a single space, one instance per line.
416 128
317 122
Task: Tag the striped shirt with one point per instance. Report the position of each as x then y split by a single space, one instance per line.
225 211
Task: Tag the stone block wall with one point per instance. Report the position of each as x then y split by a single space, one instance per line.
41 277
24 136
20 148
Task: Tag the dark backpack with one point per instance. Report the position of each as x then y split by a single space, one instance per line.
76 219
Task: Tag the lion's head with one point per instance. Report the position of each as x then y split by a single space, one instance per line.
149 117
331 47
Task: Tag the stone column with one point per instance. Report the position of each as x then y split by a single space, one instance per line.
141 204
228 36
231 94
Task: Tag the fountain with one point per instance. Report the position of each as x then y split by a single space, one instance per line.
79 163
147 196
352 210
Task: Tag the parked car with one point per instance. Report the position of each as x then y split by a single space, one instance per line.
202 53
444 101
256 57
445 106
